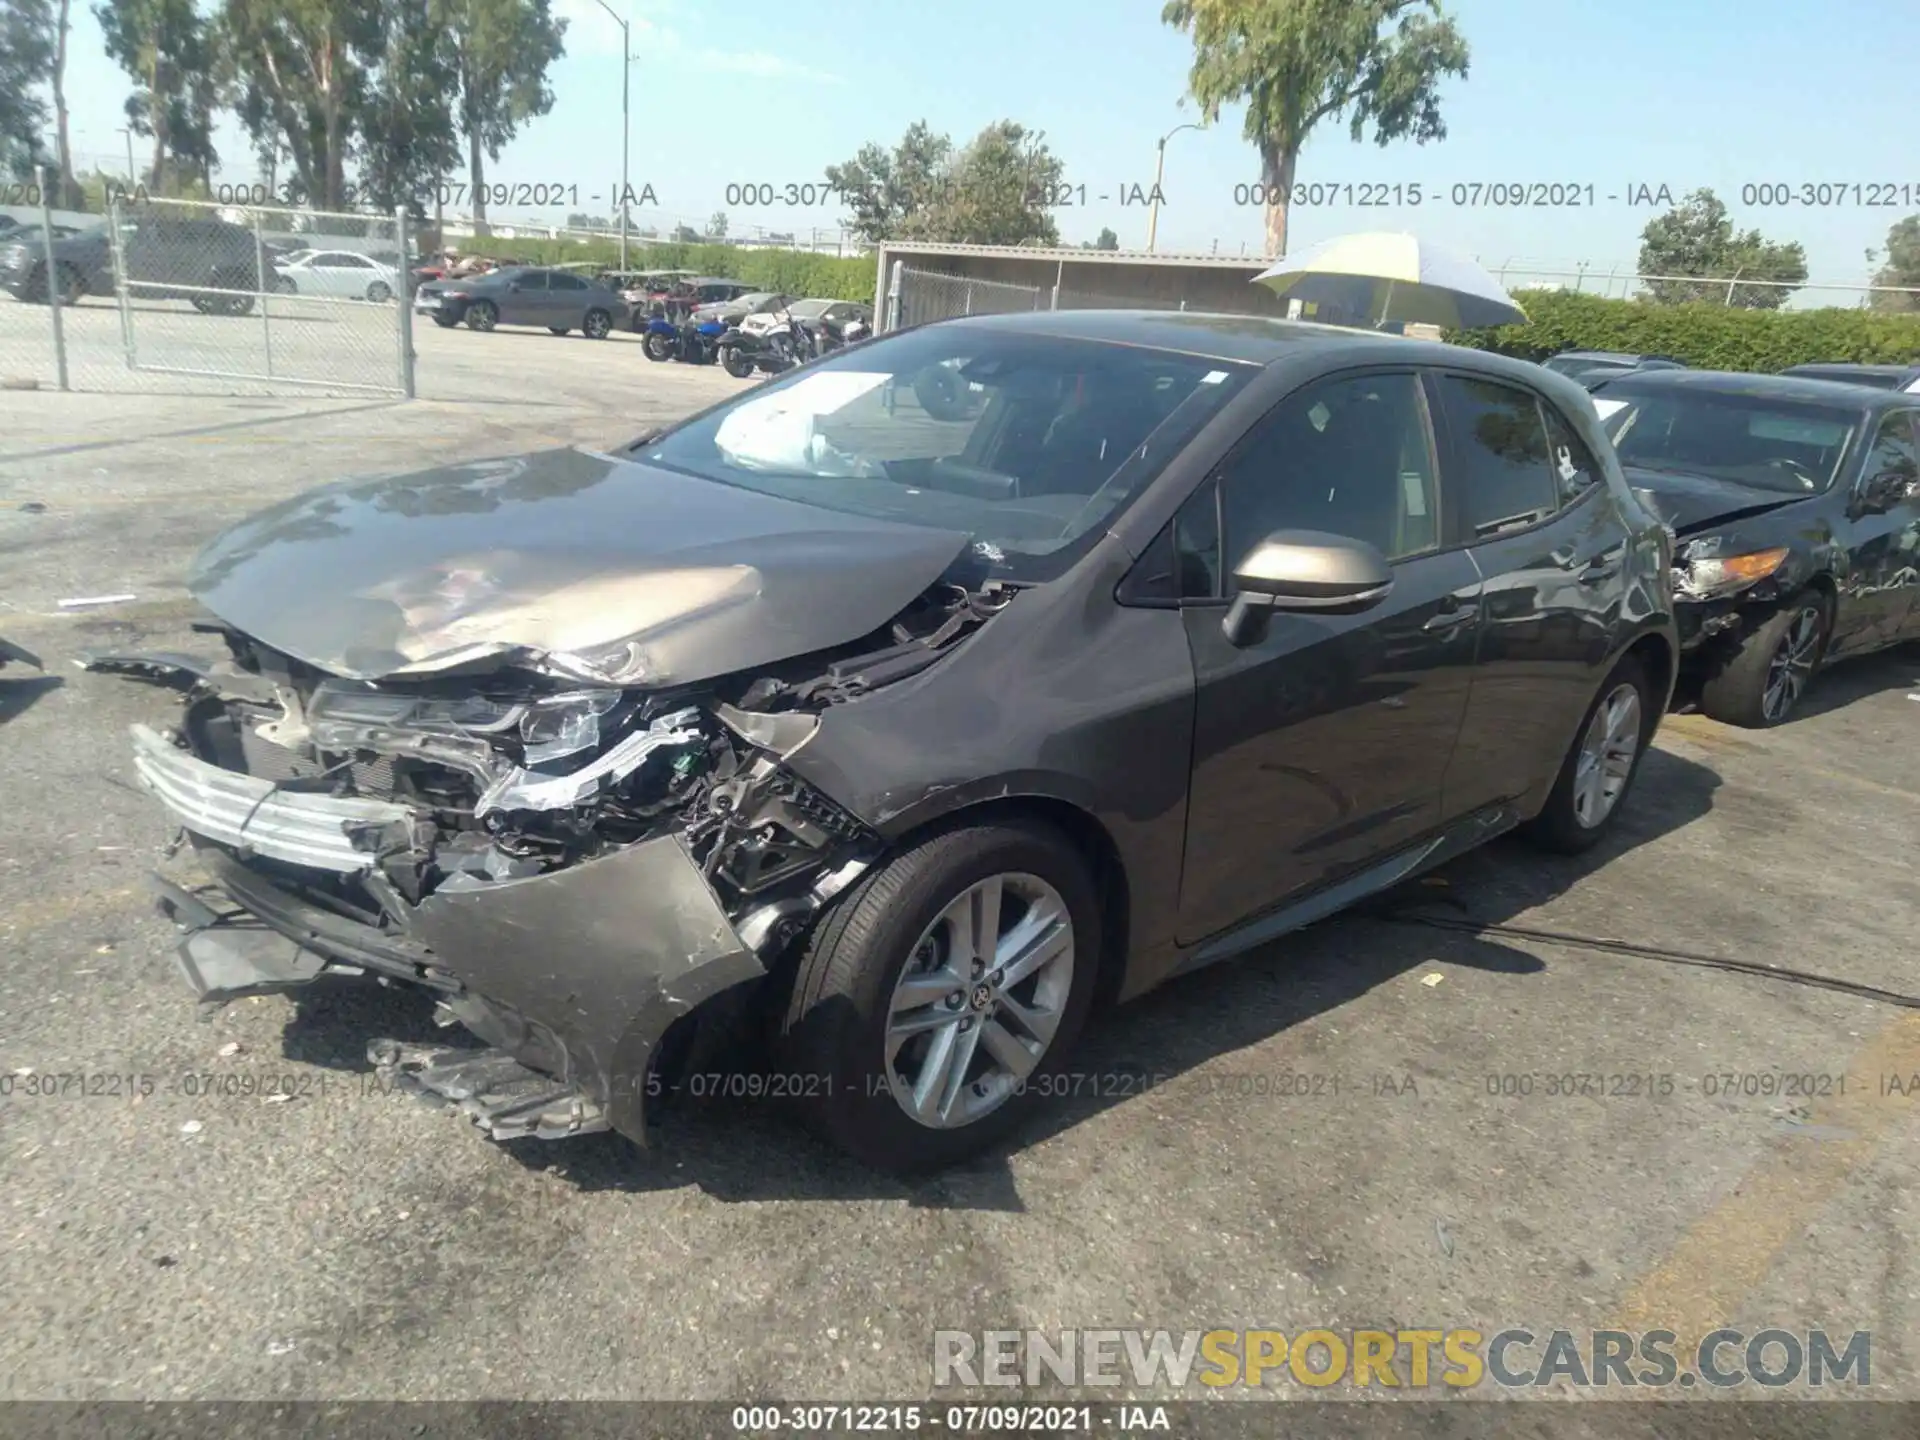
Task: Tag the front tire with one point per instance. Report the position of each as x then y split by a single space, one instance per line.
379 292
446 322
481 315
1003 917
1600 768
1761 683
657 346
556 329
597 325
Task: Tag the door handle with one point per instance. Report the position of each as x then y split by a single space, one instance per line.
1451 616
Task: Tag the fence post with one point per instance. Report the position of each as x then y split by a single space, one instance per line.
265 288
55 288
402 296
117 253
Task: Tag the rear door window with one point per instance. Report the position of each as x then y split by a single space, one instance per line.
1501 455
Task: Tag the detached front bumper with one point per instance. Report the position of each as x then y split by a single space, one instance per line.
573 977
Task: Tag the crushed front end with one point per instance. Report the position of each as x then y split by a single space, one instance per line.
569 867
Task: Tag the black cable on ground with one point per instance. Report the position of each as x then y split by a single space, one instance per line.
1655 952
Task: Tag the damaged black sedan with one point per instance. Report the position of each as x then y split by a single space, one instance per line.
1795 507
902 709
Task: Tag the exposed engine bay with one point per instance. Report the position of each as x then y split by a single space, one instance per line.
510 774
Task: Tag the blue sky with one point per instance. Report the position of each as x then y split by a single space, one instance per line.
1681 93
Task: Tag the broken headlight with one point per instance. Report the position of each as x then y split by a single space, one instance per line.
564 724
1707 576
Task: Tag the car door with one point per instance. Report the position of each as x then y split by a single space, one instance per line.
524 299
566 299
1322 745
1882 529
1550 545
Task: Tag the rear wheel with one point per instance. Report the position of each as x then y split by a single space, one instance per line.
284 286
738 363
556 329
1762 681
657 346
1600 768
379 292
446 322
597 325
932 1003
481 315
72 285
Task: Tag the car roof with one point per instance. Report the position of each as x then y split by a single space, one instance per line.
1840 368
1255 339
1804 389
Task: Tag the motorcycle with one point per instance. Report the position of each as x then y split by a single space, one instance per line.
770 343
695 342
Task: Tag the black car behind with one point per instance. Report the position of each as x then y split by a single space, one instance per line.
1879 377
897 732
1795 506
209 262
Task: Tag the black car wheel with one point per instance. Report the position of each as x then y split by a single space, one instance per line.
481 315
658 347
597 325
1600 768
445 321
73 285
739 364
556 329
933 1001
1761 683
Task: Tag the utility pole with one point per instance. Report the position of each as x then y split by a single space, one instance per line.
1159 173
626 78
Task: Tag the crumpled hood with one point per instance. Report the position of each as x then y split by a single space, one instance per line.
581 564
1689 502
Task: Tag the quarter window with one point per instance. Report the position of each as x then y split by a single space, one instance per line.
1501 454
1892 464
1575 471
1348 456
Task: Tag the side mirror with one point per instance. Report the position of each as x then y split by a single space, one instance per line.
1306 571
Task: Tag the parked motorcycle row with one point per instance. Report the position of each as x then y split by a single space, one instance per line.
753 333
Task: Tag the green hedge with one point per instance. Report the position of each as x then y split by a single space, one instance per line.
1704 335
797 272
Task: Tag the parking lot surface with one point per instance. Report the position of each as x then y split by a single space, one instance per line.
1363 1126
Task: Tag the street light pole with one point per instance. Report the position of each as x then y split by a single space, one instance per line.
1159 171
133 178
626 80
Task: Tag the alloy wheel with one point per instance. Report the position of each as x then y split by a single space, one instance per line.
1792 664
1607 753
379 293
597 325
977 1006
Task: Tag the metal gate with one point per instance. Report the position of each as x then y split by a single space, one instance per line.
264 296
915 297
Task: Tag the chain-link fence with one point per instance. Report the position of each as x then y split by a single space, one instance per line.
194 297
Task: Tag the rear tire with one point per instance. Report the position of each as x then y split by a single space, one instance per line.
738 365
446 322
1599 770
848 994
379 292
556 329
481 315
658 347
1762 682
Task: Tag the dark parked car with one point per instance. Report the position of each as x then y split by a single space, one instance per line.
557 299
1591 367
209 262
739 307
1795 505
908 740
1880 377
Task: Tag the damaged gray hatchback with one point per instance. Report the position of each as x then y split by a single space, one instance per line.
898 711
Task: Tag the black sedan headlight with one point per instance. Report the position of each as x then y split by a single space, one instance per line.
1712 576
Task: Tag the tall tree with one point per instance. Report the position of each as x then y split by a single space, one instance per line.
26 59
166 49
1106 240
717 226
1697 238
1902 268
502 50
409 141
992 192
1298 62
885 188
299 67
70 196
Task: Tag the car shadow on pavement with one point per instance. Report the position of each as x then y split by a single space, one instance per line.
1852 680
743 1149
18 696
